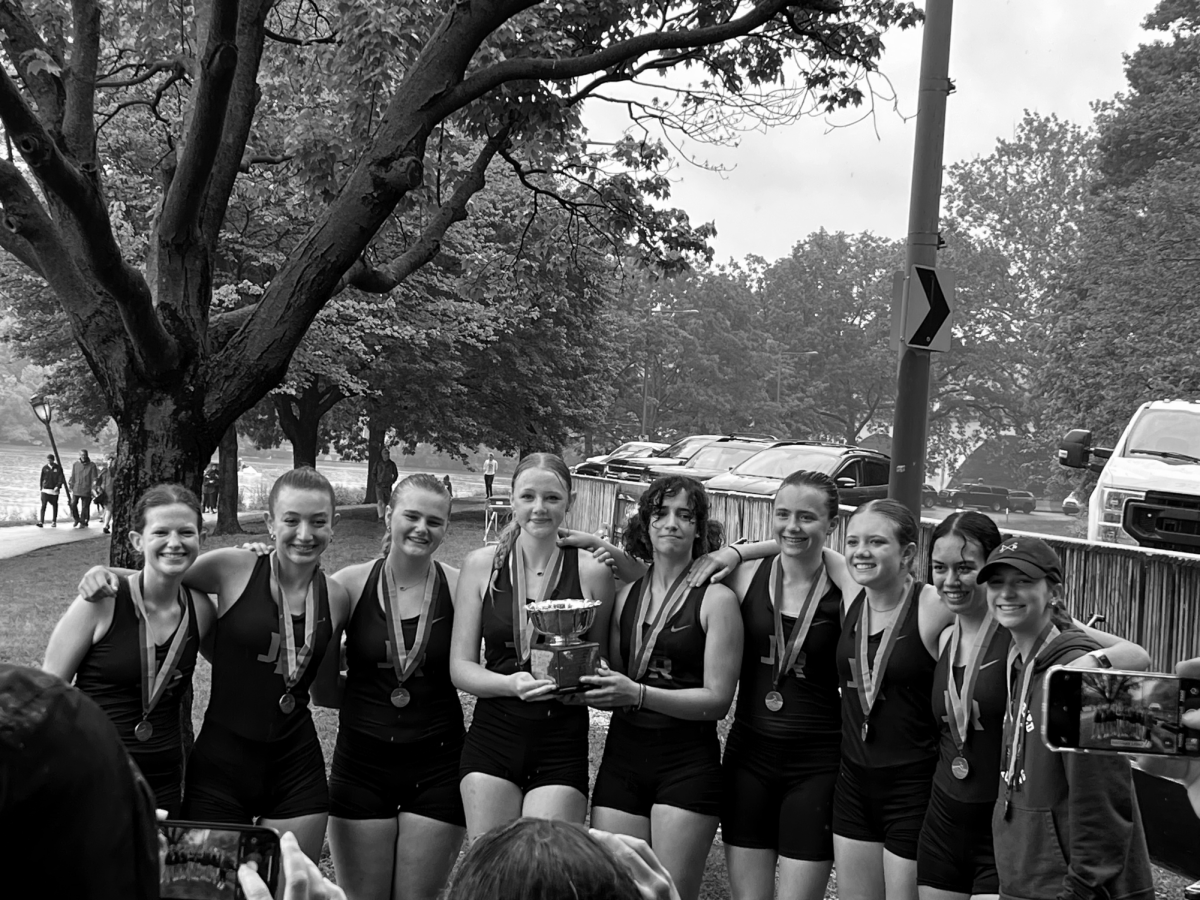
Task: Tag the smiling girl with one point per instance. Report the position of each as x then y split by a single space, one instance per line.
134 652
1065 824
675 654
257 758
396 817
526 752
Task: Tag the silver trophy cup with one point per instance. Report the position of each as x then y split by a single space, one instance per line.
562 657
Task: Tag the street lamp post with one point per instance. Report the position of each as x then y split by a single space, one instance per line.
44 413
789 354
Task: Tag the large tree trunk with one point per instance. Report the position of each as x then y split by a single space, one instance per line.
229 498
376 432
160 439
301 427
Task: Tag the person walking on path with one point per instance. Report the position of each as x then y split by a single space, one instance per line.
384 479
51 482
104 496
212 487
84 477
489 474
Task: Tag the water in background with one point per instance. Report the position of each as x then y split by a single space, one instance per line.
20 467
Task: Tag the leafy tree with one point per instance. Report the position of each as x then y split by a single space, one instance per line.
137 122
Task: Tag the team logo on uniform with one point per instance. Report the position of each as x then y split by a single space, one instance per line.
660 667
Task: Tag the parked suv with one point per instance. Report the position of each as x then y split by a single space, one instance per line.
716 459
861 474
1022 501
595 465
982 496
675 455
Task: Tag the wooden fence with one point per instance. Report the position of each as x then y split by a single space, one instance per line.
1148 596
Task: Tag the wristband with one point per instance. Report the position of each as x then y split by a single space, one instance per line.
734 548
641 696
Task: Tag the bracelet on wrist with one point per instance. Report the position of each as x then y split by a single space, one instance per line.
641 697
734 548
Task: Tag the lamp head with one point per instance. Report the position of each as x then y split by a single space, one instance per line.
41 409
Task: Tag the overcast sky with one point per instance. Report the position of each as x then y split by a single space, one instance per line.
1051 56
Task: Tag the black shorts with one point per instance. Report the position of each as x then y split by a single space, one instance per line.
375 779
955 851
234 779
531 753
885 805
163 771
778 795
642 767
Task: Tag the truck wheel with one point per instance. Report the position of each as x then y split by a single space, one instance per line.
995 506
927 503
958 504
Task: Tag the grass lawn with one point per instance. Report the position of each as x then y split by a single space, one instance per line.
36 588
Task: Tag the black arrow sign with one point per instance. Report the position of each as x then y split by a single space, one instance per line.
939 309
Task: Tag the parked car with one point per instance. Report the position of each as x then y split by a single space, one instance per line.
1022 501
716 459
595 465
929 496
981 496
861 474
1071 505
675 455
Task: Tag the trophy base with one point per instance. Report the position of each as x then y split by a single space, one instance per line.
565 665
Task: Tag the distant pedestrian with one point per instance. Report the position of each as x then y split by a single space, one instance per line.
385 477
211 487
85 477
51 482
104 494
448 485
489 474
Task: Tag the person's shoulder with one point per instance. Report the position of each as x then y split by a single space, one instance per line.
479 560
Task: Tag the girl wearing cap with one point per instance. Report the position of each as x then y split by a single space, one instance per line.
955 857
396 817
1065 824
675 653
134 652
526 753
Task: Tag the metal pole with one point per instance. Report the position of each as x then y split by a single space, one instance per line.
911 420
779 377
646 393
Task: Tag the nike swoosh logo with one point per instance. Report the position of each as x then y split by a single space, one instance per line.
438 619
677 628
986 664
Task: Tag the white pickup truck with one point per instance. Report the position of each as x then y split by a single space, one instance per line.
1148 492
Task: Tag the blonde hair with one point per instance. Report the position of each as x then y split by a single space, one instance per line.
419 481
508 537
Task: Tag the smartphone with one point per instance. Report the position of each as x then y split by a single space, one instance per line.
198 860
1110 711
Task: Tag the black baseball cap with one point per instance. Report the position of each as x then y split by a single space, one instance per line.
50 456
1030 555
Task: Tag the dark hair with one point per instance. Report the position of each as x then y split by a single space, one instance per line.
541 859
552 463
302 478
905 524
818 480
165 495
709 533
419 481
970 526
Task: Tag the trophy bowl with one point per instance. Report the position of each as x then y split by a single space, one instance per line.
563 658
562 621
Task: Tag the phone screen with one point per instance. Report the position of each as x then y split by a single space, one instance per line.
1120 712
200 861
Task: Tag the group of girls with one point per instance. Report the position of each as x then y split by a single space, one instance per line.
836 750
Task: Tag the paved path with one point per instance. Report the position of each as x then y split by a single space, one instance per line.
20 539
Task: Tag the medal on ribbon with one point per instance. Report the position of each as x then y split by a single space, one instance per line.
643 642
787 652
154 678
294 660
522 624
1017 725
960 705
404 660
868 680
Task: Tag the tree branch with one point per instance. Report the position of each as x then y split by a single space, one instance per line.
284 39
263 160
24 47
183 203
381 280
163 65
243 100
79 114
527 69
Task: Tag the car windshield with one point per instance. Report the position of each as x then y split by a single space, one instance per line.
687 447
780 462
1165 432
721 456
